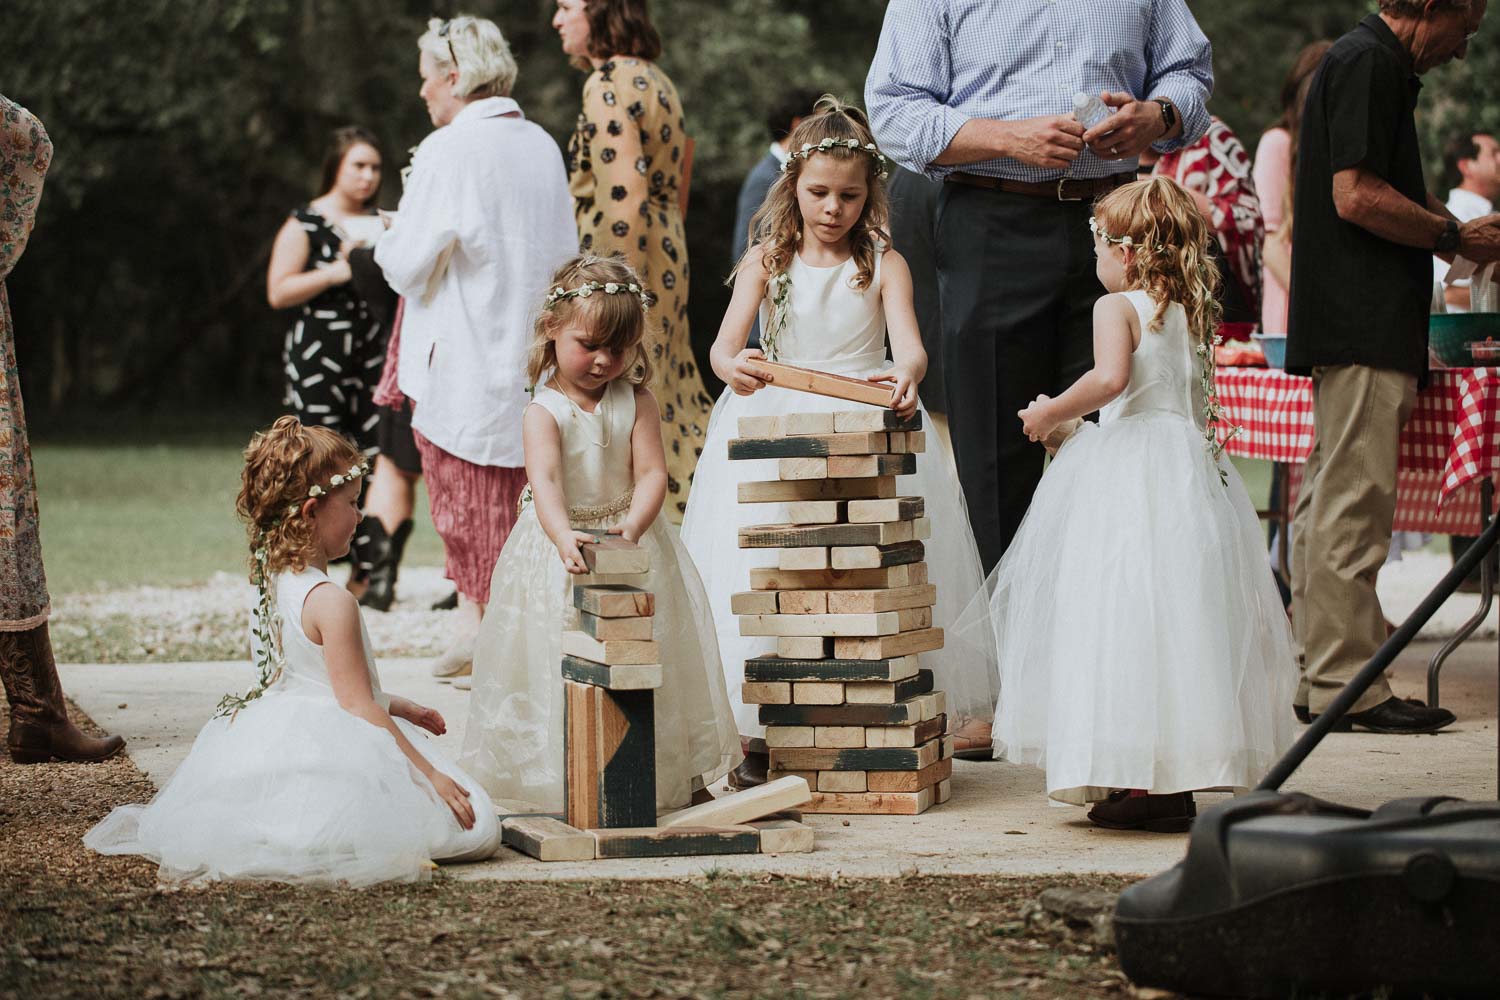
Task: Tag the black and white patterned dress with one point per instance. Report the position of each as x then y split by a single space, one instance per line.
335 348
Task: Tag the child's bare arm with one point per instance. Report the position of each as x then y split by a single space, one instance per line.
648 463
330 617
542 442
732 361
908 356
1116 332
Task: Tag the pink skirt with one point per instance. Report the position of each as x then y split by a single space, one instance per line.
473 510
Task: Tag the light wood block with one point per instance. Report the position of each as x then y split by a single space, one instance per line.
944 791
775 668
841 781
855 390
786 491
811 777
907 443
806 423
911 781
881 578
894 509
810 558
817 693
624 677
609 773
615 651
816 511
801 602
547 839
886 646
612 555
903 736
776 536
871 803
877 556
784 836
865 466
949 745
912 619
753 693
807 446
839 738
883 624
676 842
852 602
742 807
879 693
614 601
754 602
605 629
921 528
867 759
884 419
933 705
792 469
790 736
769 426
803 647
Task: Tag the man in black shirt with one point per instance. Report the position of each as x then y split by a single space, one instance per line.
1365 232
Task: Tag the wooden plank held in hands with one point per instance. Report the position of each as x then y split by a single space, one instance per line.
612 554
856 390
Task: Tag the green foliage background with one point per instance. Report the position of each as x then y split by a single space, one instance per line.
186 129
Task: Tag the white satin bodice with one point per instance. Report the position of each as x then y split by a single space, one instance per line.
595 446
1163 368
831 325
303 663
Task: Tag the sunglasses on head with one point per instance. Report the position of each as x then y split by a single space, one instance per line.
443 34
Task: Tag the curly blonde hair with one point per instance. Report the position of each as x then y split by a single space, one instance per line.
1169 254
777 226
281 465
616 321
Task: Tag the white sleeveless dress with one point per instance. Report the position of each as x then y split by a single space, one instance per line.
833 327
293 788
1142 640
513 743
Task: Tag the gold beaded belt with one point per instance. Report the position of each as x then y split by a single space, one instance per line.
591 512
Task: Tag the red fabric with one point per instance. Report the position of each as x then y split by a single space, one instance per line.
473 509
387 390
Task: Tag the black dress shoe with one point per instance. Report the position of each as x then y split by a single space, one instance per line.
751 772
449 603
1172 813
1397 717
1303 714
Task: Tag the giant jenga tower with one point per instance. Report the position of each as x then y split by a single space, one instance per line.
845 702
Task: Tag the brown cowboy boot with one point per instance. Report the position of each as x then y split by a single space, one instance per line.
39 726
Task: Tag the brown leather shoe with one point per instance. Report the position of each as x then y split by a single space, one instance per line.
752 770
39 726
1172 813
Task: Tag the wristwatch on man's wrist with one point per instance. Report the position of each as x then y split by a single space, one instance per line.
1447 242
1168 114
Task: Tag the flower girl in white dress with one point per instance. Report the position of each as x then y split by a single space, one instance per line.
827 287
315 775
595 460
1144 651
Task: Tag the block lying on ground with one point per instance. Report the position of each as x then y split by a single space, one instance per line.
547 839
884 803
675 842
614 601
742 807
784 836
609 773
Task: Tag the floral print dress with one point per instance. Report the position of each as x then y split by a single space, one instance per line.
25 155
625 169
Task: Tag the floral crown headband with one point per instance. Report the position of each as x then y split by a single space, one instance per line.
338 479
588 288
829 144
1125 241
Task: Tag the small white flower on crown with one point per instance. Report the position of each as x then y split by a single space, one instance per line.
829 144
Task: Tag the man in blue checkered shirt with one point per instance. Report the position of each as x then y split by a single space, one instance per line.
979 93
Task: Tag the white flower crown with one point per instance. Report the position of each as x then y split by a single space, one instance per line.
588 288
338 479
829 144
1124 241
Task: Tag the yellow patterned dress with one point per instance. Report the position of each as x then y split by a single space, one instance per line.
625 167
25 154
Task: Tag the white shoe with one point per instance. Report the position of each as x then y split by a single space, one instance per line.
464 682
456 661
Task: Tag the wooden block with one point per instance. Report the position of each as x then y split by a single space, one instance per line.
784 836
811 777
883 624
769 426
867 759
894 509
625 677
907 442
841 781
856 390
609 773
839 737
871 803
944 791
813 558
933 705
802 602
791 469
904 713
853 602
766 694
614 601
864 466
911 619
807 446
742 807
887 646
783 491
921 529
605 629
903 736
775 668
875 420
911 781
817 693
777 536
612 555
950 743
867 693
881 578
803 647
676 842
816 511
790 736
615 651
876 556
754 602
806 423
547 839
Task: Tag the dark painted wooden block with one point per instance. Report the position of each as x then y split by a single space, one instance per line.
908 687
775 668
614 601
791 536
807 446
610 757
860 759
877 556
875 420
676 841
865 466
623 677
904 713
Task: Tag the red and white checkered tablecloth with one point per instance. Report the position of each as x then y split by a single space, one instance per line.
1450 442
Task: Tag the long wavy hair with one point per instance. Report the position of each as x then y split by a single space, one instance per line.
777 226
339 144
1168 257
281 465
616 321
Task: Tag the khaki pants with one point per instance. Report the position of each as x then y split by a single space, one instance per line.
1341 530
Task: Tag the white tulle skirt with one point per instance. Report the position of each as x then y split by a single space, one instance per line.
1142 640
964 668
295 789
513 743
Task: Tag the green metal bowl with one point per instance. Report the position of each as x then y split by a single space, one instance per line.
1449 334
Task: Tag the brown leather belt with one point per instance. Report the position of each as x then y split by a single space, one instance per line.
1062 189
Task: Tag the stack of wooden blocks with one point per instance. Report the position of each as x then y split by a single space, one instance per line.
844 702
611 668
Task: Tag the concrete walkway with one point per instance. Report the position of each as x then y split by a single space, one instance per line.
998 822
